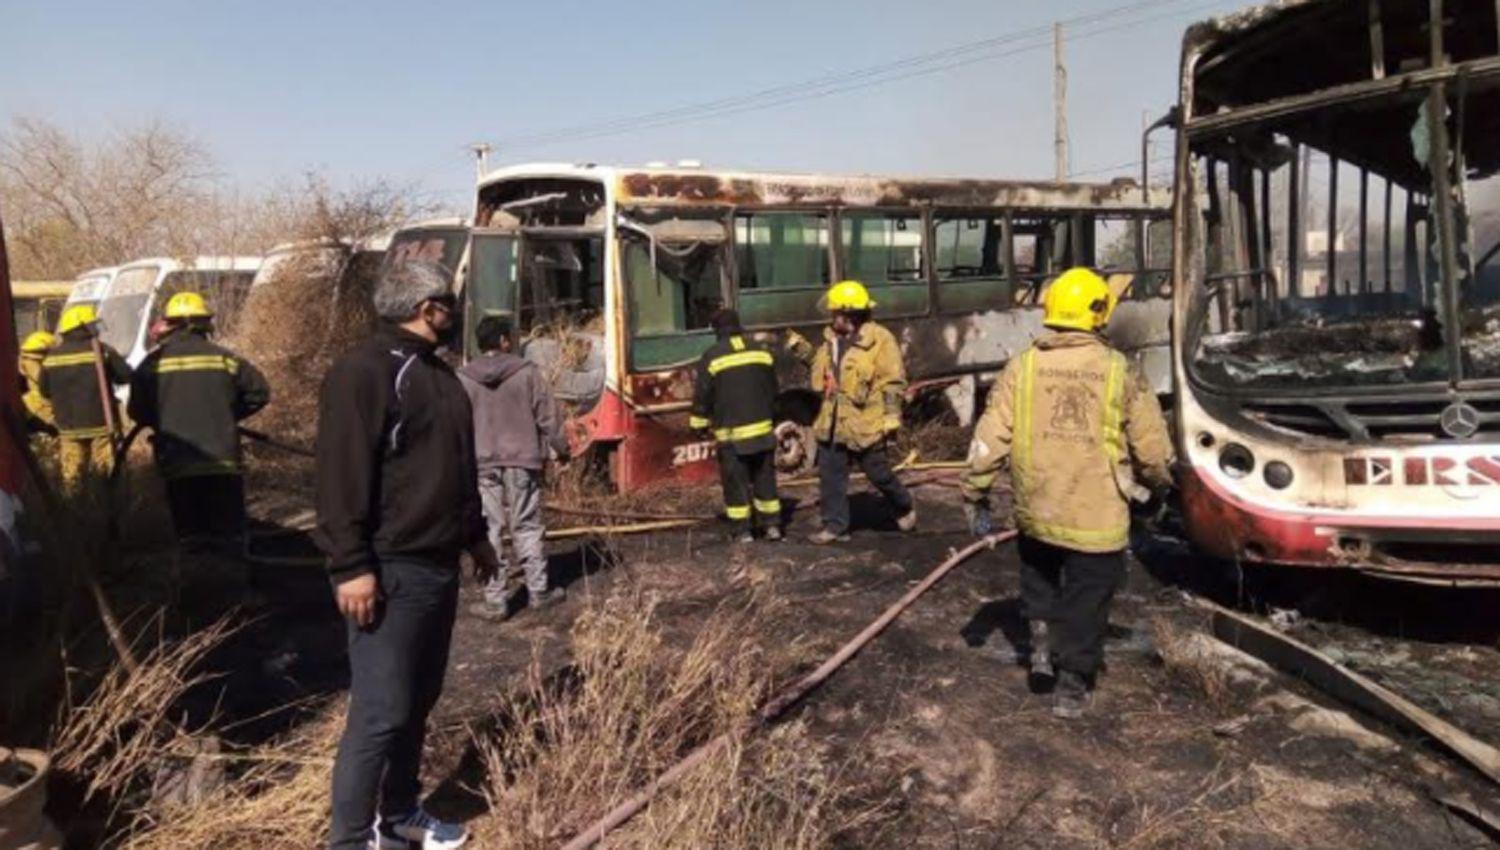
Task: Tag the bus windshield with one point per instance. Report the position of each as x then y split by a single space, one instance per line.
121 313
1324 243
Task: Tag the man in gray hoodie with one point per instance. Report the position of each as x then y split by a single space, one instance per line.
516 424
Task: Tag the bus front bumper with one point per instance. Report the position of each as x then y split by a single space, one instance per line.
1460 552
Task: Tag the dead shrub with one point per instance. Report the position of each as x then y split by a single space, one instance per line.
277 797
114 737
292 329
630 709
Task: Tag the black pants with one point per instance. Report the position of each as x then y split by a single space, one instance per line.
207 506
397 668
834 461
1071 591
749 487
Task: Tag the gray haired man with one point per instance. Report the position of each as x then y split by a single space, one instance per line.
398 502
515 427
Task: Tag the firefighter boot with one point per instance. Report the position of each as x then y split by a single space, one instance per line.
1071 698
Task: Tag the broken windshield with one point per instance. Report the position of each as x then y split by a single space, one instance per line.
1474 112
1321 249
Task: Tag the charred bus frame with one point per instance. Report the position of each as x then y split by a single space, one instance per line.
636 260
1341 410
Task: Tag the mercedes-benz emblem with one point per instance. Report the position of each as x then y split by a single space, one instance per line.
1459 420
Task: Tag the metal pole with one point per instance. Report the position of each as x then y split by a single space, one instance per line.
1333 223
1059 103
1295 225
1364 230
1389 195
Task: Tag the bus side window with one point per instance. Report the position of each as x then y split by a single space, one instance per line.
670 305
884 252
1033 260
782 260
970 269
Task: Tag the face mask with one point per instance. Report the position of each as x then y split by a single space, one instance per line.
448 336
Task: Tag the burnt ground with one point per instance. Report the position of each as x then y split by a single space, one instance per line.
935 724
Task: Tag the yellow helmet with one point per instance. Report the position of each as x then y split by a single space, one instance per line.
848 295
188 305
77 316
1078 299
37 342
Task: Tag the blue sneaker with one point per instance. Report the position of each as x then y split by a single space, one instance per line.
419 830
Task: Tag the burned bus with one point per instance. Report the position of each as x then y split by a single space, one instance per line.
611 275
1337 286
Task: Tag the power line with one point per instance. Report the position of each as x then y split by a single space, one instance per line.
889 72
1134 163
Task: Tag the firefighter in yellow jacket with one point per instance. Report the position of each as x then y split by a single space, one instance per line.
38 409
81 406
858 370
1081 428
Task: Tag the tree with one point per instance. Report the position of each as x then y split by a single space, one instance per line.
72 205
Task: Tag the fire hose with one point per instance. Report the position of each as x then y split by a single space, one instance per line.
781 702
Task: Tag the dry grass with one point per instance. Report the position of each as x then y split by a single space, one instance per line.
1187 664
278 797
630 709
125 724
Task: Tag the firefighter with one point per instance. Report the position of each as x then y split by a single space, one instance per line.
38 409
192 393
1079 424
859 371
83 407
734 392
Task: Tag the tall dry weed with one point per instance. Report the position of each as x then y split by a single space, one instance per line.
293 327
277 797
630 708
114 738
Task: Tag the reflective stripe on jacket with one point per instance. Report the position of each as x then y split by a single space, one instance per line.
862 391
193 393
70 381
734 394
1077 423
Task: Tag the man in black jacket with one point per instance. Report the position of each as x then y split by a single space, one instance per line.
398 501
734 393
193 393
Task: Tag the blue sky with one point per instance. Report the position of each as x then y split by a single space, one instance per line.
398 90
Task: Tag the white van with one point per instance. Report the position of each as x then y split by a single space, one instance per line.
91 286
141 289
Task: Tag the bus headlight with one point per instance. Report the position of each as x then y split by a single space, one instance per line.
1278 475
1236 460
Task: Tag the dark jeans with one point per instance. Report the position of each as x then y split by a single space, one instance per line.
749 482
207 506
1071 591
834 461
397 668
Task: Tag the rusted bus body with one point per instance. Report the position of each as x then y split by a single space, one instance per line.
1337 287
631 263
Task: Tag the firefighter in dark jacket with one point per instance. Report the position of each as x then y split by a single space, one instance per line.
192 393
81 409
734 393
398 501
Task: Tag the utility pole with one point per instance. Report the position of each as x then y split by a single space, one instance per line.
1060 102
481 151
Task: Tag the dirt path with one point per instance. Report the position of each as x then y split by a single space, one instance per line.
934 724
